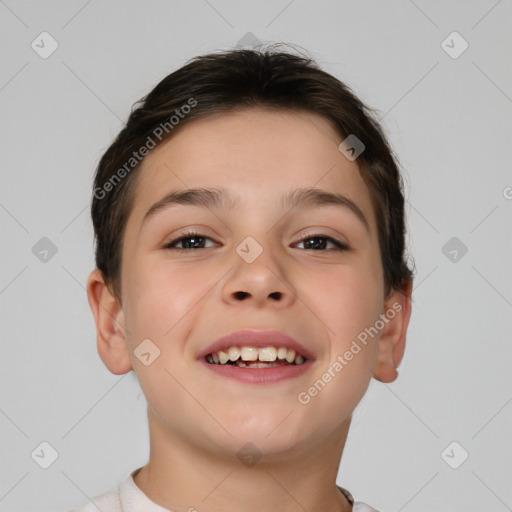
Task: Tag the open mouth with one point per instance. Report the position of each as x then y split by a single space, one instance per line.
252 357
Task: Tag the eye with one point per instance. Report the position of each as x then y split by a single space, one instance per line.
316 245
191 240
195 240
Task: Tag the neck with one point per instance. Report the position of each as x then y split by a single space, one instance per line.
183 478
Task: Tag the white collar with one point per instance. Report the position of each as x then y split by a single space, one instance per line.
133 499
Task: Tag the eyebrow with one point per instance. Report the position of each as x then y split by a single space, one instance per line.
222 198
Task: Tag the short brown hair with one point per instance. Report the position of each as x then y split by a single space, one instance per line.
236 79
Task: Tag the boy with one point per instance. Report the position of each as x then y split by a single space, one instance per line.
250 228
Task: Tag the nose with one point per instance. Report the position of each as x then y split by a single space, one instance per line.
262 282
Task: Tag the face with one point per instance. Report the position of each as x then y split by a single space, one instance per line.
311 271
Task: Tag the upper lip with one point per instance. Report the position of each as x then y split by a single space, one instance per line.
256 338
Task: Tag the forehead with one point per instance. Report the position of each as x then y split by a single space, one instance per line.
257 154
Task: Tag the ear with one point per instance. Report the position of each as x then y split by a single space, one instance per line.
110 330
393 334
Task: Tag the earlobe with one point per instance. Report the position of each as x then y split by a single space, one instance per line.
396 316
109 320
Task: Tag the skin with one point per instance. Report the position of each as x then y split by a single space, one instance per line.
183 301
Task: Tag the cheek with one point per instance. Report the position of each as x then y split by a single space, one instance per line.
347 298
162 298
348 311
162 293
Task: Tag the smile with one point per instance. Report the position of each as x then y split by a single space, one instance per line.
254 357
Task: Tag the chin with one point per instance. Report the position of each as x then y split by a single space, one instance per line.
272 432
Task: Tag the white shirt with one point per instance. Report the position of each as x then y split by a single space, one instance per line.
129 498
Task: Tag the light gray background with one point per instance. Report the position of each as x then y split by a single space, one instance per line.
450 123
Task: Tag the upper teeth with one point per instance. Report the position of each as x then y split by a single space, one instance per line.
247 353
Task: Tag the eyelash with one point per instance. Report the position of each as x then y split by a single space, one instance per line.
194 234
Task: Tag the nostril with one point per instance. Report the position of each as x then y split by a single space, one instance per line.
242 295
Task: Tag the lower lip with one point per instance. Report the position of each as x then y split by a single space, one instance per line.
259 375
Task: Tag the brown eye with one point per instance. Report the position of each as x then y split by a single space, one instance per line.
319 242
191 240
